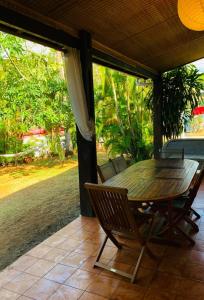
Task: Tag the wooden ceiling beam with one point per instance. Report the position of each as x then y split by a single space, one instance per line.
112 62
24 26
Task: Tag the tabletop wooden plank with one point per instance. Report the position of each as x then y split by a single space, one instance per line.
156 180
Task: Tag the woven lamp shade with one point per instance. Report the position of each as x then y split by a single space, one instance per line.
191 14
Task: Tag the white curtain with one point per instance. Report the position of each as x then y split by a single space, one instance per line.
76 91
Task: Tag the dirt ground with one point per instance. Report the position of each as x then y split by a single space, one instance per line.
36 200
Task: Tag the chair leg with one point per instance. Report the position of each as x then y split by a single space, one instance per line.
151 255
138 264
195 213
113 239
194 225
192 242
101 249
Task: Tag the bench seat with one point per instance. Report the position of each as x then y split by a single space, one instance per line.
193 148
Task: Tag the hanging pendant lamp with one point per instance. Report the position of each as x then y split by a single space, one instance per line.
191 14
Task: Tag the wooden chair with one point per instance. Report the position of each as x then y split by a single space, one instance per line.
119 164
111 207
106 171
185 202
181 208
172 153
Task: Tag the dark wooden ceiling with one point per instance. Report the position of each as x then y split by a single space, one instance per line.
144 31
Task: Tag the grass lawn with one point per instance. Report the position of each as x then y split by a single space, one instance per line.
36 200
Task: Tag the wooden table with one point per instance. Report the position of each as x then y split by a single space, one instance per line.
156 180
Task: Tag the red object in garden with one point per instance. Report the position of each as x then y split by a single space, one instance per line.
40 131
35 132
198 110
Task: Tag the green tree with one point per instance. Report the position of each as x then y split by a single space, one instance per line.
181 93
122 120
32 91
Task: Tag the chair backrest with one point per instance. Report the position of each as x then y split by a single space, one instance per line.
119 164
111 207
196 185
172 153
106 171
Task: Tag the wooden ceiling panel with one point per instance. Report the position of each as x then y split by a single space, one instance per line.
148 31
177 56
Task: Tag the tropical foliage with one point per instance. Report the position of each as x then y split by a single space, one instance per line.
32 92
123 122
181 93
33 95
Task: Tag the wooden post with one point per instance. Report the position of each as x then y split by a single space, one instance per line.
87 150
157 115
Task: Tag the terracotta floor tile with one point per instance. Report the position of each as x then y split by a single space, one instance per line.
91 227
24 298
66 261
67 231
21 283
75 225
69 244
162 282
188 298
87 248
8 295
175 251
88 264
81 236
81 279
109 252
81 220
24 262
128 291
199 235
104 286
39 251
196 257
96 239
74 259
199 246
7 275
129 244
173 264
54 240
152 295
189 288
149 263
126 256
42 289
193 271
90 296
60 273
120 266
158 249
201 225
145 277
40 268
55 255
66 293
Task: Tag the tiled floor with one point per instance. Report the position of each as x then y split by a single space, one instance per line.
61 268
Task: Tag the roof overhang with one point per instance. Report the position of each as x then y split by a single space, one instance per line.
147 36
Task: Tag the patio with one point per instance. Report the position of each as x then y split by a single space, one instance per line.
61 268
142 39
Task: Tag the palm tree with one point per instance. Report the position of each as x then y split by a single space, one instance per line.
181 93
